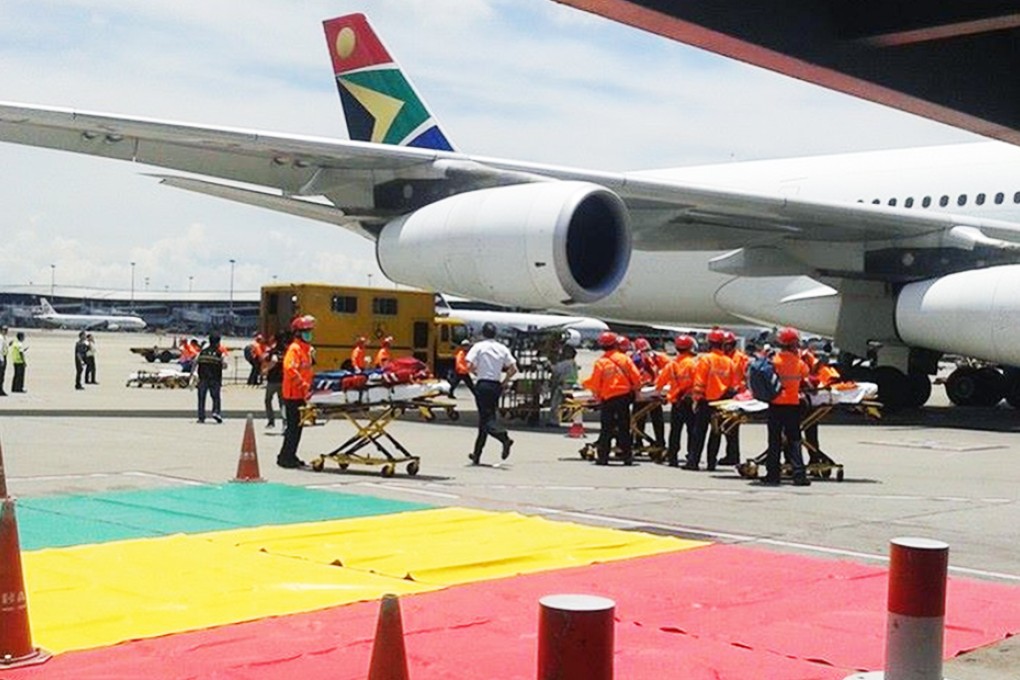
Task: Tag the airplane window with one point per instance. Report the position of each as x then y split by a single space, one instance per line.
980 199
876 201
909 202
1016 197
999 198
892 201
962 199
926 202
944 201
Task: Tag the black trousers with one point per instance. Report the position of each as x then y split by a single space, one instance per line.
699 432
658 425
487 393
784 434
680 416
79 366
458 378
18 383
614 423
3 375
292 433
90 370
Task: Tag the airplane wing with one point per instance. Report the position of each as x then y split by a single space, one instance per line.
362 186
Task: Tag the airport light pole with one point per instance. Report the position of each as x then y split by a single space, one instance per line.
53 278
370 280
232 290
132 286
190 279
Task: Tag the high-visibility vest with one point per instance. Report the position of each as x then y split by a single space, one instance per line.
297 371
791 370
678 375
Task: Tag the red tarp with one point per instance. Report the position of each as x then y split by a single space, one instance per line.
718 612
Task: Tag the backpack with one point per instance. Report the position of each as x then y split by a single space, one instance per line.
762 379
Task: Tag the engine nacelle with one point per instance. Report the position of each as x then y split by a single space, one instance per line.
973 313
532 245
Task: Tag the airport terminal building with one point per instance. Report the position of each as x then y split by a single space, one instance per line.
234 313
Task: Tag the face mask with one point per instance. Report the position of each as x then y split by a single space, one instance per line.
306 336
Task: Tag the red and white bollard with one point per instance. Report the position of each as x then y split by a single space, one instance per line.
917 611
575 637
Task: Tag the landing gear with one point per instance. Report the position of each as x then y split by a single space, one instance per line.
970 386
896 389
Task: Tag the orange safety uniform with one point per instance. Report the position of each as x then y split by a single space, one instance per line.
740 363
382 357
358 359
792 371
613 375
652 364
460 364
678 375
713 376
297 371
827 375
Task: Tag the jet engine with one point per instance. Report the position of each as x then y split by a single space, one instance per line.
974 313
531 245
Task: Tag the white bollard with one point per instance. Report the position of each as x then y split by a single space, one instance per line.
917 610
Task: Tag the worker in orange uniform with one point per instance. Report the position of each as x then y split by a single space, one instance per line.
461 370
823 376
297 387
678 378
614 382
359 357
740 362
649 364
382 357
713 380
784 411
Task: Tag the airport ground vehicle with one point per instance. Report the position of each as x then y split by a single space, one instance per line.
344 313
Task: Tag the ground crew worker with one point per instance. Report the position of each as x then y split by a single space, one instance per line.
189 350
254 352
740 362
489 360
461 372
209 365
382 357
823 376
359 358
81 348
649 364
3 358
16 353
713 380
297 387
678 378
272 370
784 411
613 382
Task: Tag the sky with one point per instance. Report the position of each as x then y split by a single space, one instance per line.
522 79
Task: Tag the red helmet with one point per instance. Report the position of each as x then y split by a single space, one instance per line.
387 340
623 343
303 323
716 336
788 337
684 343
642 344
361 340
607 339
729 338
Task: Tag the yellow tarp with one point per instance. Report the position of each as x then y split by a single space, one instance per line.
96 595
449 546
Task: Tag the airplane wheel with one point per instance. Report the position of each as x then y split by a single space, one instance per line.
962 386
1013 394
919 389
893 387
992 386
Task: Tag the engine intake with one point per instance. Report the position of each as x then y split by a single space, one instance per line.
531 245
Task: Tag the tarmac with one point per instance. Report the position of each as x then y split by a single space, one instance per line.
944 472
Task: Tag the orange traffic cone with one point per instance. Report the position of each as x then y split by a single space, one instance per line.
248 463
389 661
576 430
16 648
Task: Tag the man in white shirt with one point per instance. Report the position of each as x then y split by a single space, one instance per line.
488 360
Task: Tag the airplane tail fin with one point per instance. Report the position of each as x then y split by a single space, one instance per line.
47 308
380 104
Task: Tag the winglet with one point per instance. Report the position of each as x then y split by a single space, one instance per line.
380 105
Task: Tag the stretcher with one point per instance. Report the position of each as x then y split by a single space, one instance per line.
648 399
370 411
845 397
164 377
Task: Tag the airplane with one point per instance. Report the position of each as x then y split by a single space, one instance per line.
904 255
89 322
579 329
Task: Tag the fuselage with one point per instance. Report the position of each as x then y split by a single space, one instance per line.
92 321
678 287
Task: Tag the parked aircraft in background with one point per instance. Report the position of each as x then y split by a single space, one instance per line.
90 322
915 252
581 329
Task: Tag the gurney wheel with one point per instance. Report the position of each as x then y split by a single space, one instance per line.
412 468
317 464
342 466
388 470
453 414
748 469
588 452
839 474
